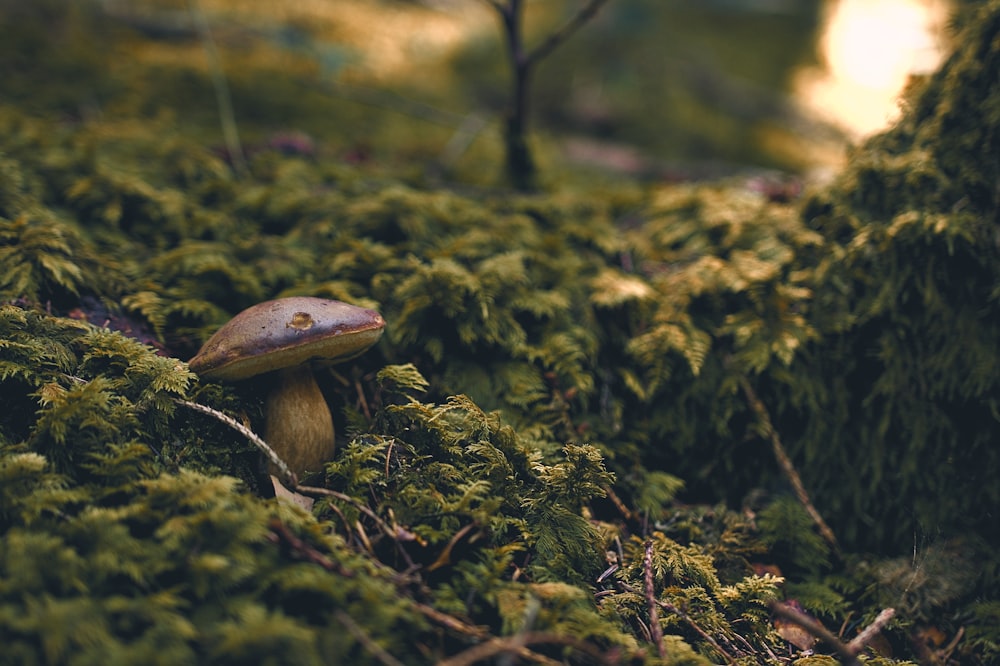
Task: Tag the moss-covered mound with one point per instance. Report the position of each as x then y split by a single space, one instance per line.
557 372
870 323
912 310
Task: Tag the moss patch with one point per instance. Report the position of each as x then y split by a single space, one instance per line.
553 430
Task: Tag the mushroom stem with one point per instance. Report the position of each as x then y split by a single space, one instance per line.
299 424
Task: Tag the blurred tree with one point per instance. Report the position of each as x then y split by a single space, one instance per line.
520 164
666 88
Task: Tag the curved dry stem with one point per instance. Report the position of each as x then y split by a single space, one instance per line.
283 472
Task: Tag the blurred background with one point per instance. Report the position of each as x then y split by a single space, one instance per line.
650 89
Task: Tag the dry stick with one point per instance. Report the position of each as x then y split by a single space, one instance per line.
362 400
287 476
655 630
450 621
814 628
444 558
578 20
223 99
315 490
280 533
362 637
617 501
950 647
392 533
666 605
786 463
848 652
701 632
865 636
516 644
285 473
463 136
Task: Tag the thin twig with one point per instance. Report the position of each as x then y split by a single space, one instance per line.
666 605
556 38
946 651
849 652
450 621
655 630
865 636
701 632
280 533
463 137
444 558
315 490
815 629
226 116
520 163
617 501
785 463
394 532
362 637
388 456
362 400
287 476
517 645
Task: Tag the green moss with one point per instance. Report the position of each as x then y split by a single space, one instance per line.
558 386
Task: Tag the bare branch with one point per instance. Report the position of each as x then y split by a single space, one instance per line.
786 463
655 630
666 605
578 20
849 652
362 637
815 628
865 636
520 164
450 621
317 491
281 534
518 645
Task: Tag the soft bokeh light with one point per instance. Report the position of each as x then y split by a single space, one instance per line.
870 48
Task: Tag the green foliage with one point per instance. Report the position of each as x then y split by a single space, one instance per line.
933 578
458 468
985 618
37 257
84 397
692 597
910 303
132 560
176 568
540 351
789 532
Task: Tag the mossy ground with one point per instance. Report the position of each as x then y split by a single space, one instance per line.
556 427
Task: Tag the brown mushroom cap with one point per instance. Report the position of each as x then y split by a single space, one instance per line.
286 332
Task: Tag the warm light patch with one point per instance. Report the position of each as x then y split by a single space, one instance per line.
870 47
393 40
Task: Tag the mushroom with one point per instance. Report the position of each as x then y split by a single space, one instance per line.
280 338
